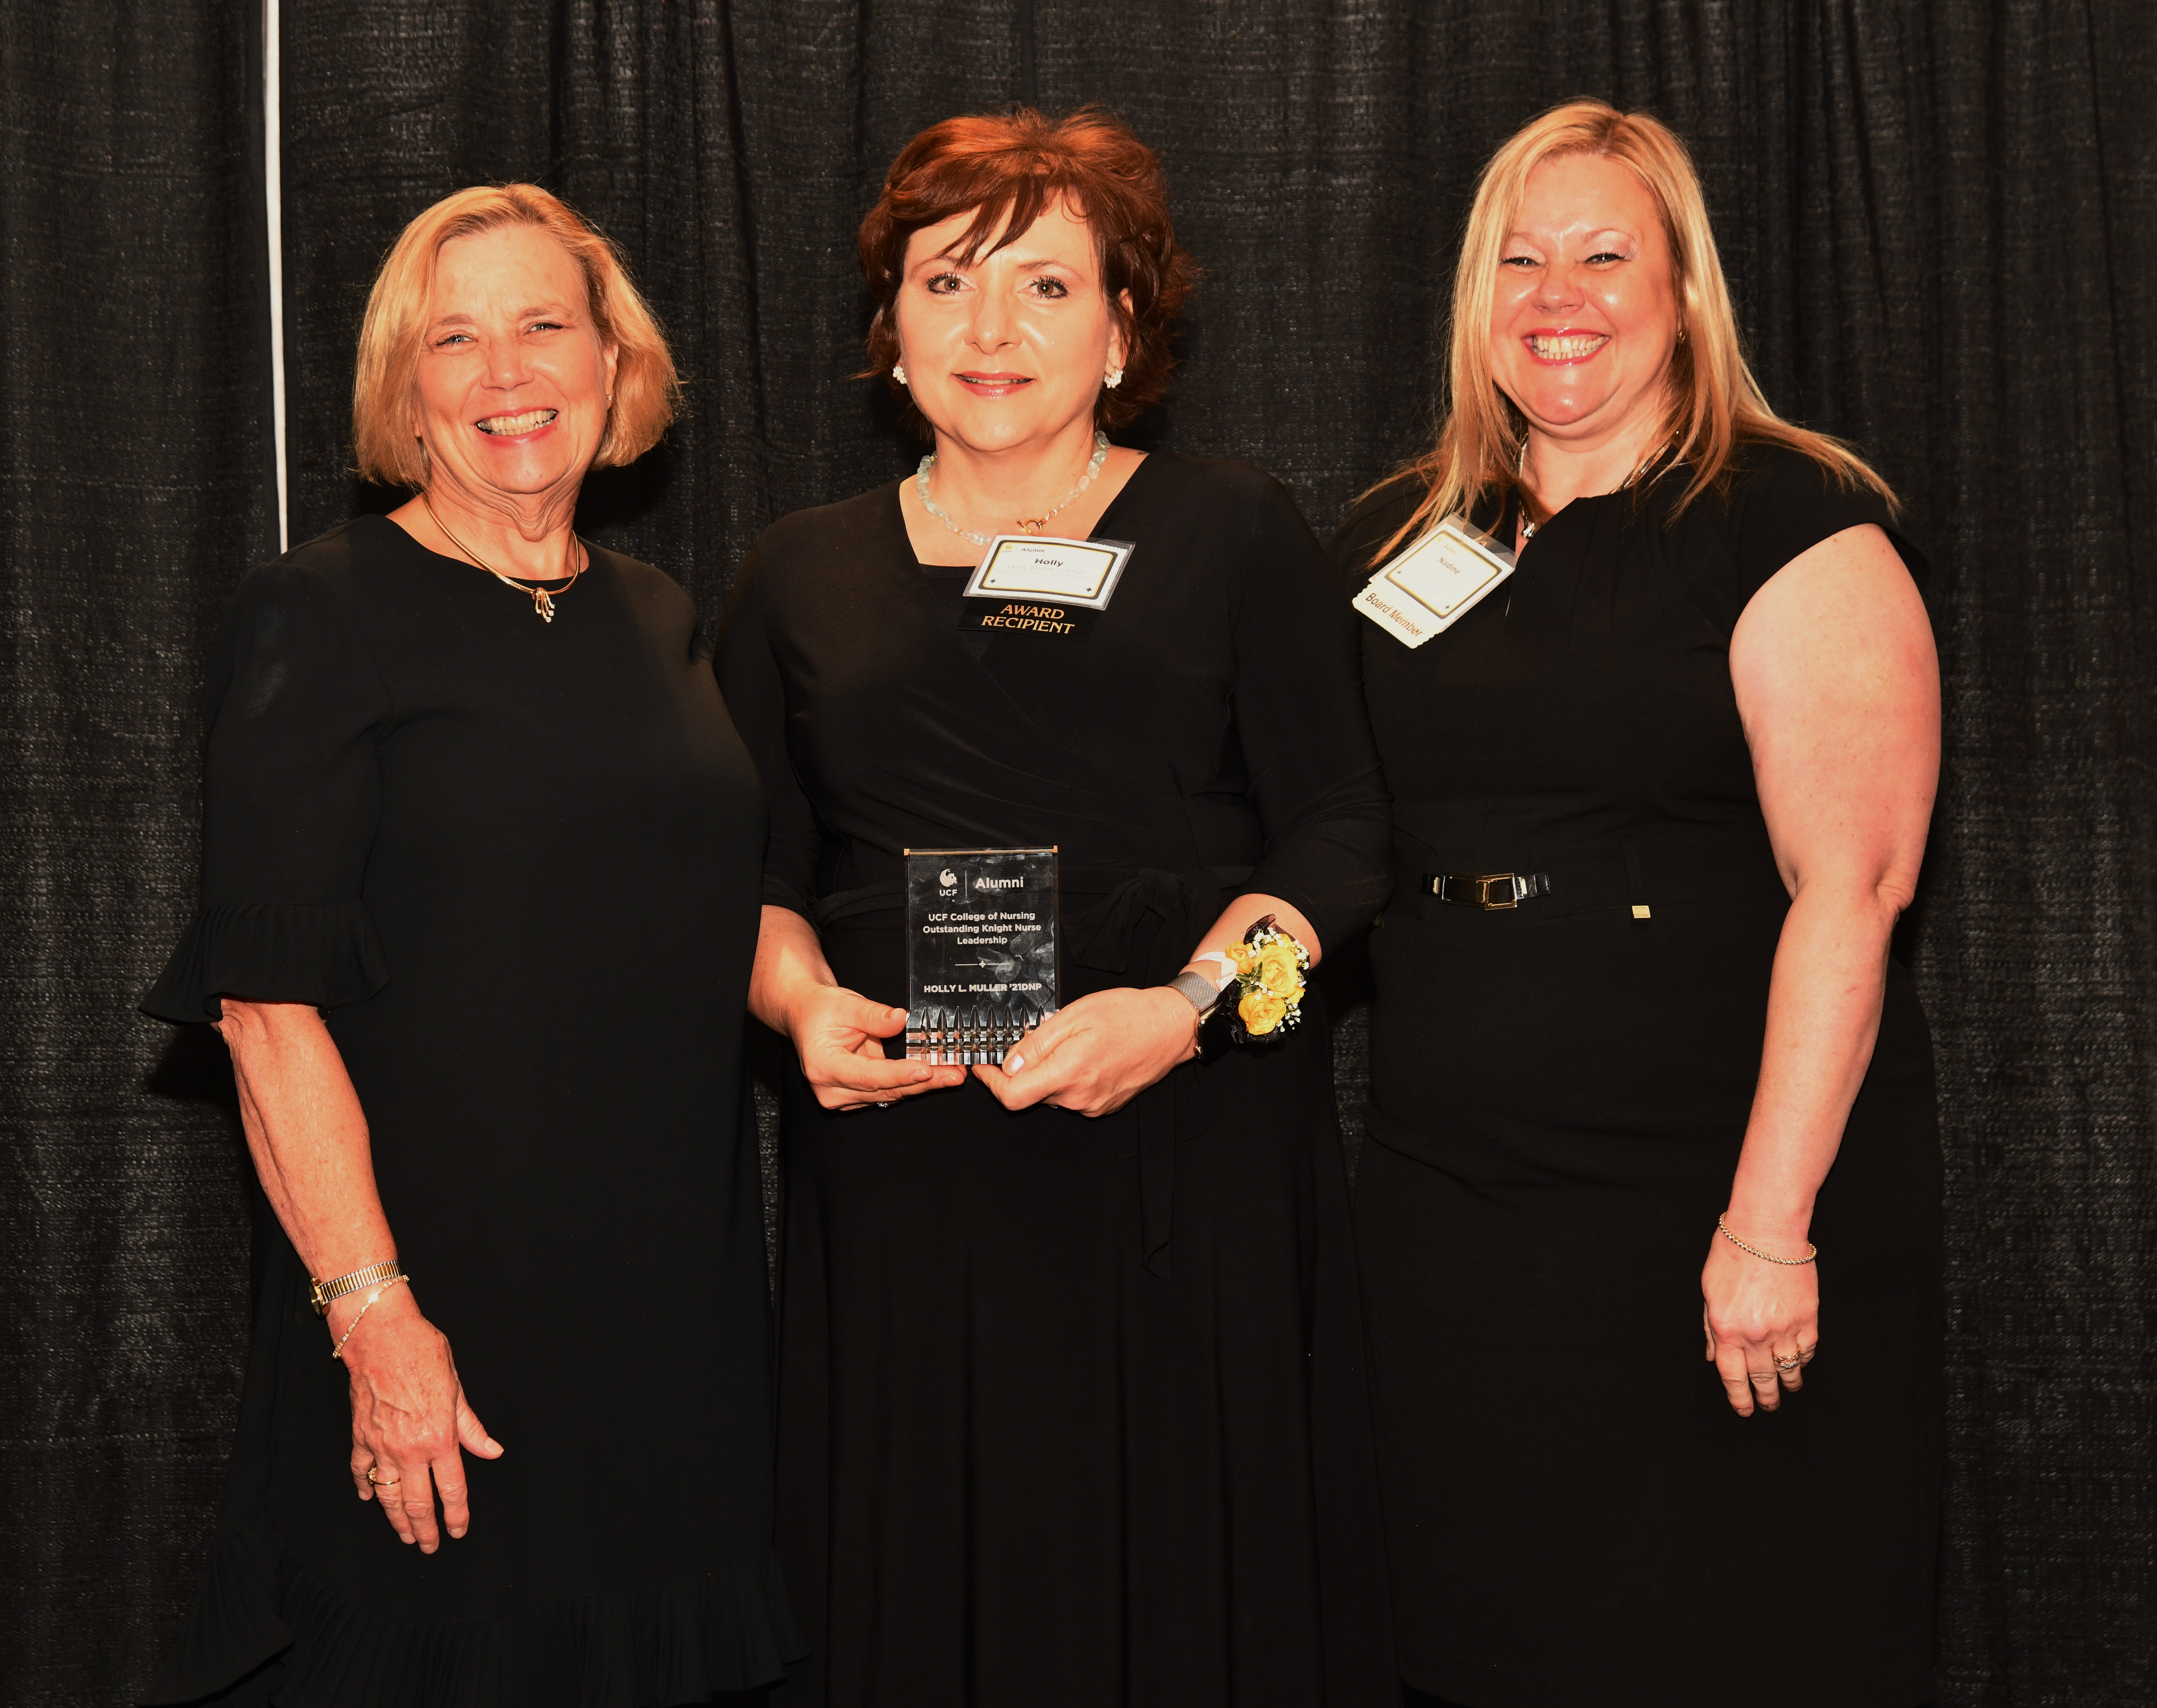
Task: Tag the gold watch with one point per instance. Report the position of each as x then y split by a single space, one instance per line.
321 1292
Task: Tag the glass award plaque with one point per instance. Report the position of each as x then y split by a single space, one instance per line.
981 950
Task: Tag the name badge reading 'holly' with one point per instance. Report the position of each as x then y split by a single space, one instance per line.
1437 581
1044 585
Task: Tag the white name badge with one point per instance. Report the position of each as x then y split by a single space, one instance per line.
1044 567
1433 583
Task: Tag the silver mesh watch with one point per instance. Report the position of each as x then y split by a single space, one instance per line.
1197 990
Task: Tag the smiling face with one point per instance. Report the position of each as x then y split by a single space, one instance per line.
1584 317
1012 348
511 392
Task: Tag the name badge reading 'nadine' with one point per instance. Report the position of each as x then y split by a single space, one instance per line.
1434 582
1041 584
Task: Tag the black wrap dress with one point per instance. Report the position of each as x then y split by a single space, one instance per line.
516 865
1072 1412
1559 1093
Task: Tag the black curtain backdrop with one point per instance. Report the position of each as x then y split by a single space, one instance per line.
135 481
1938 220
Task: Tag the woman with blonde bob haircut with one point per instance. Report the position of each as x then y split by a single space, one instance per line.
1663 737
645 392
481 860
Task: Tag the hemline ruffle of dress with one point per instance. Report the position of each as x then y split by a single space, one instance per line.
325 953
658 1645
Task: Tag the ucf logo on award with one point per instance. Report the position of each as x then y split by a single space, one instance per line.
981 950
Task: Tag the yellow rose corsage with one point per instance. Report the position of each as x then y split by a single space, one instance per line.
1270 966
1261 1012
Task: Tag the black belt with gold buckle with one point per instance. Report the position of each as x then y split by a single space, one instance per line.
1488 890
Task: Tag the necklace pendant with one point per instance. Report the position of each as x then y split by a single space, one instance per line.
543 602
1034 526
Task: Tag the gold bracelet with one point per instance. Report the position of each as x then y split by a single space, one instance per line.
321 1292
338 1351
1811 1251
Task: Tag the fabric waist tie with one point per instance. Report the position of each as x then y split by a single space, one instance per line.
1107 937
1110 935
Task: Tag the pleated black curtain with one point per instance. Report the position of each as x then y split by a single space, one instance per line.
1938 219
135 487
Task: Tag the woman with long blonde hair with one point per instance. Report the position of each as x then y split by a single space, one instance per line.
1657 701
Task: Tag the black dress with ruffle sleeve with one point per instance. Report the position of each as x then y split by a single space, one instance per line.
516 865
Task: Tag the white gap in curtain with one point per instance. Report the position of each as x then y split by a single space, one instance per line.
273 154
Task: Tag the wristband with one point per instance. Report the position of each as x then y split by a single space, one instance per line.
1223 971
321 1292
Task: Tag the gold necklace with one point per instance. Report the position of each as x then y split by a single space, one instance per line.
1528 526
542 597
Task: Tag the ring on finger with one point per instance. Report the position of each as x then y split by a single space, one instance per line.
382 1482
1787 1364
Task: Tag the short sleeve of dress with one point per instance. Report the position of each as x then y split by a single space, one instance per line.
1786 503
756 698
1305 735
290 795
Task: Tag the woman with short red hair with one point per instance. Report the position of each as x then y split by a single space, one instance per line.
1072 1405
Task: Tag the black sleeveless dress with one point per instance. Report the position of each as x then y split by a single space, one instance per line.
1072 1412
515 864
1559 1094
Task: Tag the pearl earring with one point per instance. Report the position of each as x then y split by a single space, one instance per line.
1113 378
898 372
